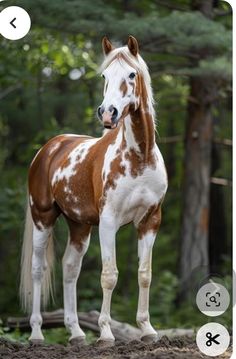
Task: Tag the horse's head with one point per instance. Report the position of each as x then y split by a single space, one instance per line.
122 81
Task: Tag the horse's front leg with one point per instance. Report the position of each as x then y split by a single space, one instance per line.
147 230
107 232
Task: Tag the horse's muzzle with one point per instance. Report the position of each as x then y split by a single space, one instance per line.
108 118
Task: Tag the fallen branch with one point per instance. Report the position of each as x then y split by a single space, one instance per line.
121 331
221 181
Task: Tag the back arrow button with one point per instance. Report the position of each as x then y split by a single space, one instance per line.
12 22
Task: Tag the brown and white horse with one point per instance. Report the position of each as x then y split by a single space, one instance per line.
108 181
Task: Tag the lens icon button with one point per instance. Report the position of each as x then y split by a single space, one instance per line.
213 299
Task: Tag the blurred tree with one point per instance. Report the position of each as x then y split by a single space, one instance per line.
204 91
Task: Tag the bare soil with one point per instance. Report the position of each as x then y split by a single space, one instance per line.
179 348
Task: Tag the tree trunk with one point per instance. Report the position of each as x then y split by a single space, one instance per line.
195 221
217 223
194 252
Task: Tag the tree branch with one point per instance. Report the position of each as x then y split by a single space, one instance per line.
221 181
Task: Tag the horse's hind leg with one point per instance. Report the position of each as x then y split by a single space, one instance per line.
76 248
40 242
147 230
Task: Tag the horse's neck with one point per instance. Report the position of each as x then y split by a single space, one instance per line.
139 132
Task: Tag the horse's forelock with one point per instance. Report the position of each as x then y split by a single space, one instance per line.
121 53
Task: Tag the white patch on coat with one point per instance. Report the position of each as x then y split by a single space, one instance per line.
129 135
77 155
54 148
110 155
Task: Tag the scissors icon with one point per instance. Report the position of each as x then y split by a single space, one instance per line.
211 339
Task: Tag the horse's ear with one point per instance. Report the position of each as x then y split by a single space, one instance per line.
133 45
106 45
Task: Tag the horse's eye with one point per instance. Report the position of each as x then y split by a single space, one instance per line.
132 75
103 76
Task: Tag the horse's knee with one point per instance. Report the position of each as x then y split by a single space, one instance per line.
144 278
109 279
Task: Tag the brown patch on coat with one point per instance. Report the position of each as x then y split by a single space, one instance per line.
143 123
123 88
125 112
83 191
138 86
137 164
44 209
78 233
116 170
50 201
151 221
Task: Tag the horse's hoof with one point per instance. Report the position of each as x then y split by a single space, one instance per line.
150 338
79 341
105 343
36 341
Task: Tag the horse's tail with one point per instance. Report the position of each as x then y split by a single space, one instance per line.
26 282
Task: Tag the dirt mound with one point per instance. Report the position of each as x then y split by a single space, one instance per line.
179 348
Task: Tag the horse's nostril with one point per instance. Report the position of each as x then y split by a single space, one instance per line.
114 114
100 111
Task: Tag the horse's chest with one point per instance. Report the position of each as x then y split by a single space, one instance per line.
131 196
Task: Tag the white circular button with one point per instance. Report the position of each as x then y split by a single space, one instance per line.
213 339
213 299
14 23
